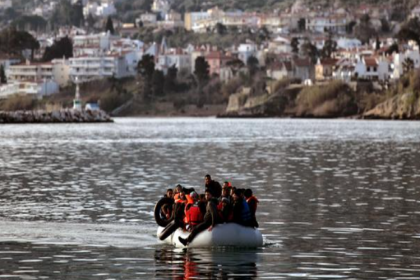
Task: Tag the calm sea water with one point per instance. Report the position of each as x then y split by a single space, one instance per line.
339 199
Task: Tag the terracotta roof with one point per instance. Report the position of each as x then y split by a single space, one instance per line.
371 62
329 61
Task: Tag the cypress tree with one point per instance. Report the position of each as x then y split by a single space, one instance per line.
109 26
3 79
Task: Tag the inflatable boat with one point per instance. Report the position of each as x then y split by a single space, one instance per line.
222 235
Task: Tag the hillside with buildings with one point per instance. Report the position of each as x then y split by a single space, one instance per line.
157 58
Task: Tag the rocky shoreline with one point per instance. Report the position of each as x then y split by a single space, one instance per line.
61 116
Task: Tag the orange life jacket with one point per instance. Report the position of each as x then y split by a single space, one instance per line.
189 199
194 215
254 206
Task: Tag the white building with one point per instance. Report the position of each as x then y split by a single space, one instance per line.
103 9
30 72
174 57
415 12
118 65
161 7
94 44
347 43
280 45
344 70
372 68
5 4
35 89
245 51
399 59
147 19
324 24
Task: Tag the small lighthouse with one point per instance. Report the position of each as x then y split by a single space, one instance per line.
77 103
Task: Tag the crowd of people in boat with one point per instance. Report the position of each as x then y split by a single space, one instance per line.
187 209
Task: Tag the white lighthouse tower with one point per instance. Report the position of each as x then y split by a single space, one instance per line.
77 103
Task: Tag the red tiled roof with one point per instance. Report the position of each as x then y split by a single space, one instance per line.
329 61
371 62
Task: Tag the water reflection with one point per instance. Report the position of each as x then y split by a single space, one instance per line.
217 263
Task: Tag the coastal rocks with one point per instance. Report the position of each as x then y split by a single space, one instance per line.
404 107
245 104
62 116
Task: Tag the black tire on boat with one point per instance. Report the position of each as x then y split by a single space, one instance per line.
159 220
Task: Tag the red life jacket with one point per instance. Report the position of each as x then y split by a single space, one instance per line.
254 205
194 215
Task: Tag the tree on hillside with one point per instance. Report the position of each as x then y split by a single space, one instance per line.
146 68
364 30
235 65
170 79
90 21
158 82
3 79
61 48
302 24
377 44
202 76
202 70
253 65
385 27
309 50
392 49
220 28
109 26
330 46
408 65
15 42
66 14
294 43
410 31
350 27
264 34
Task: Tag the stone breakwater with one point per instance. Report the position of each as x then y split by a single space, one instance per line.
62 116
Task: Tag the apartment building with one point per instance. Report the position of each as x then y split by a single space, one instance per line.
118 65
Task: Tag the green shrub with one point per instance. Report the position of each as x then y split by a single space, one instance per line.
316 95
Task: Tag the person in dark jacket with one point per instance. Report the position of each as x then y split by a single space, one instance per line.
226 210
178 214
241 213
166 210
252 203
211 219
212 185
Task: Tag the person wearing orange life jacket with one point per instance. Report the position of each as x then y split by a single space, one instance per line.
252 203
178 190
193 213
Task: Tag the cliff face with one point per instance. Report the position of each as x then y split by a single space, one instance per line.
245 104
406 106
